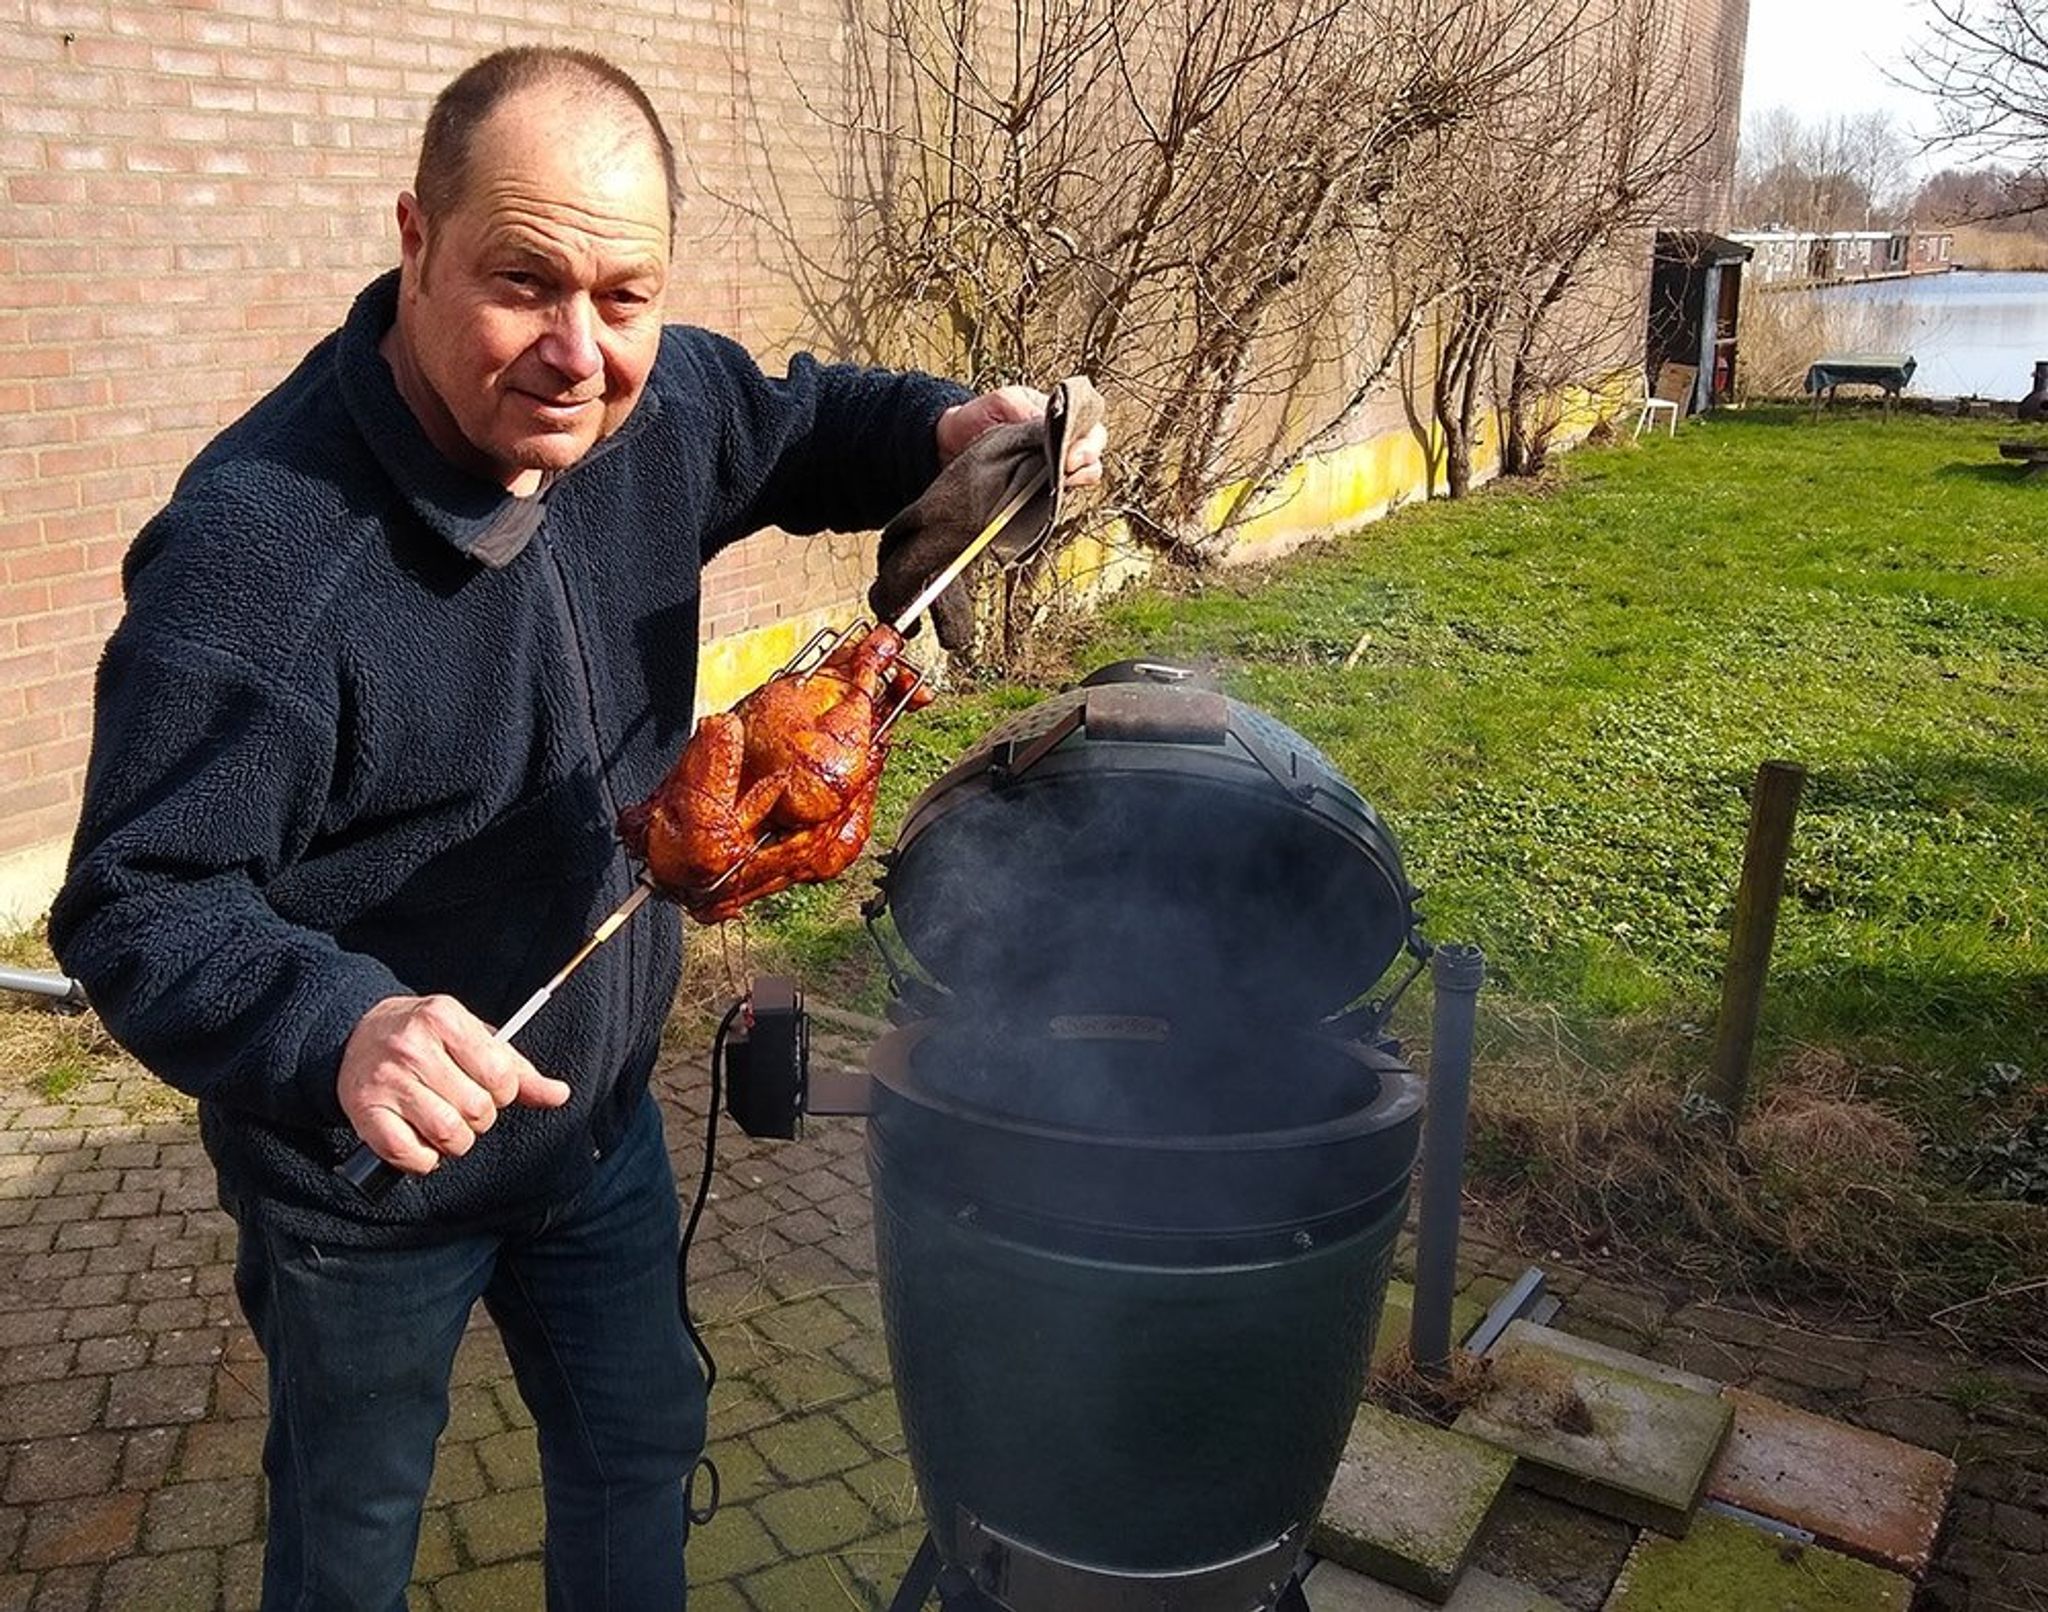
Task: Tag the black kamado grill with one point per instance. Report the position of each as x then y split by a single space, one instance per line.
1139 1148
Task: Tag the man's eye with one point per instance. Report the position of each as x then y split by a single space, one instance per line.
519 279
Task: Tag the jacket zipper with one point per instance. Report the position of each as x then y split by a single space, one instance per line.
586 686
558 587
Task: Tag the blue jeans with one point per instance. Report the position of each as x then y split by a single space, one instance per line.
360 1343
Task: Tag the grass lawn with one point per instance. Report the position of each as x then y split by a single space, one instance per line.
1558 695
1566 692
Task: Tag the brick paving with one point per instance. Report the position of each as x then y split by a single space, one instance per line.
131 1397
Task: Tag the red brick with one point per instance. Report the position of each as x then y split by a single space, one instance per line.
27 797
94 1528
75 462
33 565
60 756
34 363
78 525
20 291
32 731
86 588
37 497
67 392
55 627
126 55
51 694
23 598
79 655
80 89
27 117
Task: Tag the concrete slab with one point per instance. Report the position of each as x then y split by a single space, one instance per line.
1857 1491
1398 1316
1332 1588
1566 1343
1612 1439
1408 1502
1722 1565
1570 1554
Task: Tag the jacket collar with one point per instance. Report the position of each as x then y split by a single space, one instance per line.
476 517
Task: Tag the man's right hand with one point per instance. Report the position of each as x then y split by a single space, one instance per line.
421 1079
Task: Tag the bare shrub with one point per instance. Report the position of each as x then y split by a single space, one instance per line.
1590 146
1194 201
1985 64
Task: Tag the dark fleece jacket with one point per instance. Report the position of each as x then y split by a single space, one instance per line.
366 725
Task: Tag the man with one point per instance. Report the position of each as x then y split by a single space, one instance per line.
408 635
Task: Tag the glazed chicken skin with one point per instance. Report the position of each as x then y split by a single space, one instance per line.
781 787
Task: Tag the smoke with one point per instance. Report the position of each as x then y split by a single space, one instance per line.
1140 942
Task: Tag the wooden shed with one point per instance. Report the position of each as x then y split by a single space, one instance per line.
1695 308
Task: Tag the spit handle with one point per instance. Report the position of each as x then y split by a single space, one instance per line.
374 1178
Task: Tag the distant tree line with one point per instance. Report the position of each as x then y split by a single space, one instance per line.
1854 173
1984 66
1826 173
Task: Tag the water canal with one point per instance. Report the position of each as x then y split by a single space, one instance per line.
1975 334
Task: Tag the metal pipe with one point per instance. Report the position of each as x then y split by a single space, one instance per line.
967 556
62 987
1456 972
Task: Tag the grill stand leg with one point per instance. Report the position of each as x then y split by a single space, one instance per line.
958 1594
1293 1599
917 1584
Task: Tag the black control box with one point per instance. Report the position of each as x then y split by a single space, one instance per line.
767 1060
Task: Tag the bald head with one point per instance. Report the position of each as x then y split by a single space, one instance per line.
546 211
586 82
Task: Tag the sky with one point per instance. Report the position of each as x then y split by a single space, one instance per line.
1821 57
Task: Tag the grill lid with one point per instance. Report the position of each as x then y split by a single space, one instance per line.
1143 844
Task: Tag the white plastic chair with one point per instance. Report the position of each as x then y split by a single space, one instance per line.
1649 406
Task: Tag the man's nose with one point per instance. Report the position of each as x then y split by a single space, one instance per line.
569 345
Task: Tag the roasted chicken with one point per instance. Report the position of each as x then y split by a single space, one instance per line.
779 790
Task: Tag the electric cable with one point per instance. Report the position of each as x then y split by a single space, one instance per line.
701 1515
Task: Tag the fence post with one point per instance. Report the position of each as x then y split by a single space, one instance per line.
1774 802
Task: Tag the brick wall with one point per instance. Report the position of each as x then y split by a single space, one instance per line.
190 194
1713 35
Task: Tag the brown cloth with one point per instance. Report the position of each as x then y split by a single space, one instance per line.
920 542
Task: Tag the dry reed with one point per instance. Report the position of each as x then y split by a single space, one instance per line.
1784 331
1820 1196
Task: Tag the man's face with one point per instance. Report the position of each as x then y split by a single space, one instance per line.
530 315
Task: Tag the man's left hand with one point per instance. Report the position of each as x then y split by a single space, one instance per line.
1017 405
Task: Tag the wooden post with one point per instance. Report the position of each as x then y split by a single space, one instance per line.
1773 804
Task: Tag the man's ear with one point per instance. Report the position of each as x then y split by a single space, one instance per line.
412 237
